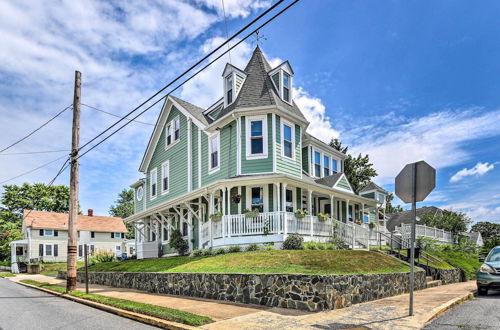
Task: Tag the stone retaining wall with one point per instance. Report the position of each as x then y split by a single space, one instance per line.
304 292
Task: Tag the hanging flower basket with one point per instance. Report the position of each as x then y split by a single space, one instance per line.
323 217
216 217
372 225
236 198
300 214
358 222
251 213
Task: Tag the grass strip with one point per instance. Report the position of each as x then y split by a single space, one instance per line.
4 274
165 313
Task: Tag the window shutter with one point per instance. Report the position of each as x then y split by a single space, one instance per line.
56 233
41 232
112 235
40 250
80 251
55 250
123 235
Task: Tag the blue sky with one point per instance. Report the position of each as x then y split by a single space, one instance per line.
399 80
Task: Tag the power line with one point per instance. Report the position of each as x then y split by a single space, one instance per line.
112 114
185 72
33 170
191 77
36 130
33 152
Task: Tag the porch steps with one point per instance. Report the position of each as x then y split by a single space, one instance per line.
431 283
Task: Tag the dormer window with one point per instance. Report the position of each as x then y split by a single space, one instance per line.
229 89
286 87
282 80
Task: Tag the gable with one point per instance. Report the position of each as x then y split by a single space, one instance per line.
343 184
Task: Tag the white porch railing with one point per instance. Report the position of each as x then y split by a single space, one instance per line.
425 231
276 223
147 250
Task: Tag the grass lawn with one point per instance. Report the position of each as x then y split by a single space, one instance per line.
165 313
318 262
5 274
433 263
53 268
465 261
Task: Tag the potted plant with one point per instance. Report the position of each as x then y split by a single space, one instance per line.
323 217
251 213
358 222
216 217
236 198
372 225
299 214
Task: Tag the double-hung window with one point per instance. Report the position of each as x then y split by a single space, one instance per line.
257 201
165 174
317 164
334 165
49 250
48 232
229 89
153 178
326 166
287 131
289 200
177 128
286 87
172 131
257 137
214 152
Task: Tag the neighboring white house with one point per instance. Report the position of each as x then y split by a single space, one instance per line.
46 237
476 238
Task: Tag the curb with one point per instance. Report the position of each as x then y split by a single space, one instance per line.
440 310
151 320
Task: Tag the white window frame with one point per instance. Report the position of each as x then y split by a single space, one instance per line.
118 248
210 138
320 163
153 173
117 235
45 250
265 196
329 164
46 234
248 133
281 87
337 165
139 194
170 131
167 165
289 87
292 127
226 90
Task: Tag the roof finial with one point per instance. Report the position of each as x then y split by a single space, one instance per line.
258 38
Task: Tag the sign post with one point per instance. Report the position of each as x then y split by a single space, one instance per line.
85 239
413 184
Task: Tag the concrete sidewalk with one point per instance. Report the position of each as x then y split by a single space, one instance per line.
217 310
388 313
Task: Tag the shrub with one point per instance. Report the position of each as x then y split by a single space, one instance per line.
178 243
339 243
331 246
207 253
293 242
309 246
219 251
252 247
102 256
234 249
197 253
268 247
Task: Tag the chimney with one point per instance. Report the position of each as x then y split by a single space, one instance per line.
90 213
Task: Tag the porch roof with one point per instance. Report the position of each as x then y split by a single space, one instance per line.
19 242
242 180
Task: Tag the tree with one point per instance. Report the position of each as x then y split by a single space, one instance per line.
389 208
454 222
124 208
490 232
178 243
359 170
15 199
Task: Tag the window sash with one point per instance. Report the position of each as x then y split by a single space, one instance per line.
153 179
286 87
229 89
326 165
49 250
334 165
287 141
165 176
176 129
48 232
214 151
317 164
257 199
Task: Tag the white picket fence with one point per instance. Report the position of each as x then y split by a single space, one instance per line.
283 223
425 231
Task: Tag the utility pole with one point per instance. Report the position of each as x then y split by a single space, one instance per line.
73 186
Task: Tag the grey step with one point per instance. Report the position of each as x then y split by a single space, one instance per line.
428 278
432 284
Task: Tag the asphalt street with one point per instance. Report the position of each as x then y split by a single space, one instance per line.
26 308
480 313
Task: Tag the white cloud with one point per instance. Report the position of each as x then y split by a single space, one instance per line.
236 8
478 170
438 138
315 112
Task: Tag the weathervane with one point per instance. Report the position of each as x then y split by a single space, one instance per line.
258 38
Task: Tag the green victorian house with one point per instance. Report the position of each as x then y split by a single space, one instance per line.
205 169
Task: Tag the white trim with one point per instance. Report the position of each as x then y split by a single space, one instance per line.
189 156
163 192
300 150
167 125
45 250
238 146
199 156
137 190
155 171
284 122
210 138
45 233
343 189
274 140
233 88
248 133
314 151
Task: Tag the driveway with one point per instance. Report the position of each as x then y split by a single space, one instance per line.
480 313
25 308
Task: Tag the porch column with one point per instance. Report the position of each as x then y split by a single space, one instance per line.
229 200
190 230
363 211
331 206
309 201
239 204
224 201
283 200
210 212
278 199
346 210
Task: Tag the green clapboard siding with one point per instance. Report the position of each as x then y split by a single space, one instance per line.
343 183
264 165
305 159
227 156
138 205
178 161
293 168
194 156
370 195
